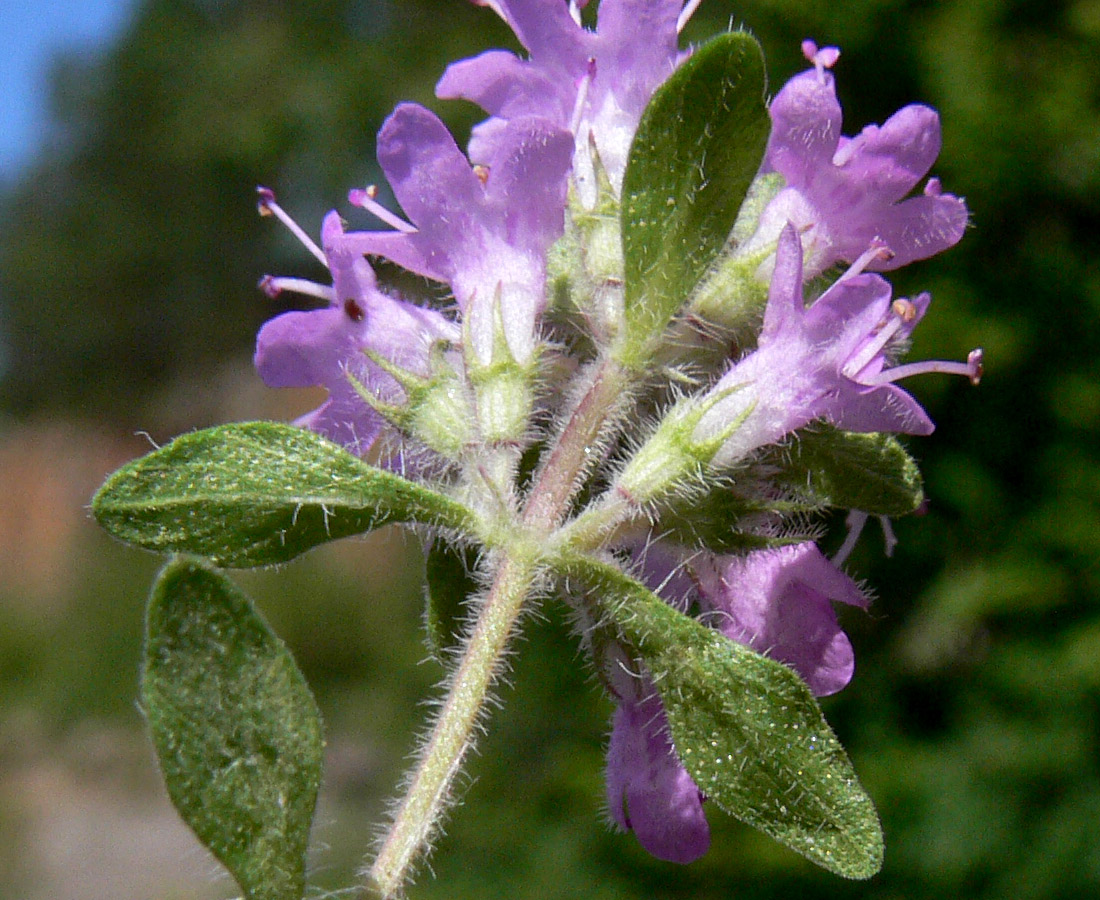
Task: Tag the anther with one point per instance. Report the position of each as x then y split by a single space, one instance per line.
877 252
270 285
904 309
353 310
482 173
266 201
268 207
976 361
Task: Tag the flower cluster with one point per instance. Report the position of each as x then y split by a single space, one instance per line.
457 395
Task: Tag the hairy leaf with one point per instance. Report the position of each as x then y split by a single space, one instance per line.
694 155
747 729
235 727
848 470
258 493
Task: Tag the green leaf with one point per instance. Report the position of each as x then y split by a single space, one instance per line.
747 729
258 493
694 155
710 520
869 472
449 584
235 727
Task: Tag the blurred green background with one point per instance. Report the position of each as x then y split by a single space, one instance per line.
129 255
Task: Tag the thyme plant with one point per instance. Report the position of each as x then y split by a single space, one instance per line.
669 348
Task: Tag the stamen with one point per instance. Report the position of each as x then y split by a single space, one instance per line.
855 522
364 199
582 95
686 13
888 537
823 58
273 287
482 174
972 369
268 207
872 348
878 251
933 188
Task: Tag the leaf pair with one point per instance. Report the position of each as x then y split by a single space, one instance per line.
236 730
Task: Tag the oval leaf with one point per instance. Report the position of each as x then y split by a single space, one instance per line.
235 727
747 729
848 470
257 493
697 148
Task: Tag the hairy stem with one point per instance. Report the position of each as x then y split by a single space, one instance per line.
452 735
578 447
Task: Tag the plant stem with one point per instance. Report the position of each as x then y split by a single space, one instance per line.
452 735
578 447
575 451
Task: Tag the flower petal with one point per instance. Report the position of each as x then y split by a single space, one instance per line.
893 158
777 601
504 85
664 807
806 122
430 176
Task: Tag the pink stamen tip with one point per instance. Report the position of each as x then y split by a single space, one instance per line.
270 286
823 57
882 251
590 69
265 200
933 188
976 361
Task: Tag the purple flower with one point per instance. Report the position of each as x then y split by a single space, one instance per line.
777 602
825 362
323 347
648 789
595 84
843 194
485 232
